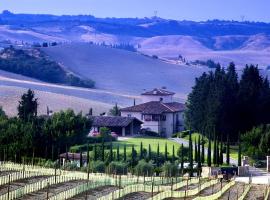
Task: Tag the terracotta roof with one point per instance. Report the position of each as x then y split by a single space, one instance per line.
156 107
158 92
112 121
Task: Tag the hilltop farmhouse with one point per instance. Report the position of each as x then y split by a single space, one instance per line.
158 113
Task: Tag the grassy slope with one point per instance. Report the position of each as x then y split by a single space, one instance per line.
122 71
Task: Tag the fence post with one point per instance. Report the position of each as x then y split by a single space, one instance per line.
47 190
8 185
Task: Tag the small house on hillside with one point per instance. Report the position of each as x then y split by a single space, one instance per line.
158 112
122 126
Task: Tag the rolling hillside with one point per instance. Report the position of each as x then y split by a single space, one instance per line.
122 71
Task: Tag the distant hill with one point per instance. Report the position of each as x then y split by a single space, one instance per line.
221 41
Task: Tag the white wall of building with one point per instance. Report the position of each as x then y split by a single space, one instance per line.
165 99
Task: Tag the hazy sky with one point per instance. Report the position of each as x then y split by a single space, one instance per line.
253 10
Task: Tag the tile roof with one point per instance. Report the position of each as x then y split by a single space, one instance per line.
158 92
112 121
156 107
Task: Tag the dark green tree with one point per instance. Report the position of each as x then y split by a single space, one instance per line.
111 153
149 152
158 156
239 152
203 153
190 155
228 151
221 153
133 156
173 154
28 105
141 151
125 152
118 153
209 159
166 152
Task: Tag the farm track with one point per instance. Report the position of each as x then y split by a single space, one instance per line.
234 192
21 183
53 190
256 192
212 189
95 193
137 196
4 173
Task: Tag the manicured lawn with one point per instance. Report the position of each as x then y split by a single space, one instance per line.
153 141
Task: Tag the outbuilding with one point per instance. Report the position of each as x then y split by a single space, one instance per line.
122 126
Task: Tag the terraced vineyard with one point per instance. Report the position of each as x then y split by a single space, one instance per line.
34 183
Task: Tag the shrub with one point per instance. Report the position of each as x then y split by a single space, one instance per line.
71 166
170 169
97 166
118 168
144 168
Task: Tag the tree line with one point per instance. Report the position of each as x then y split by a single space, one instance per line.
221 106
29 135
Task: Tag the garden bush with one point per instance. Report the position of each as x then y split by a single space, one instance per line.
144 168
117 168
97 166
170 169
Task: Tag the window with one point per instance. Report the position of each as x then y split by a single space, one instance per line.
163 118
129 115
147 117
155 117
160 99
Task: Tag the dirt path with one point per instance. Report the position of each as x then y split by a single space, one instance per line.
137 196
4 173
256 192
95 193
212 189
234 192
20 183
53 190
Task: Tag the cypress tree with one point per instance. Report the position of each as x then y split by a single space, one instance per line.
199 152
81 159
103 150
157 155
166 152
87 155
182 156
228 151
95 152
118 153
217 161
202 154
190 155
239 152
221 154
215 151
133 156
173 154
125 152
196 151
209 159
141 151
111 153
149 152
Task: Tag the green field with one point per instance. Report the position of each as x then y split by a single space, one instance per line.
153 141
